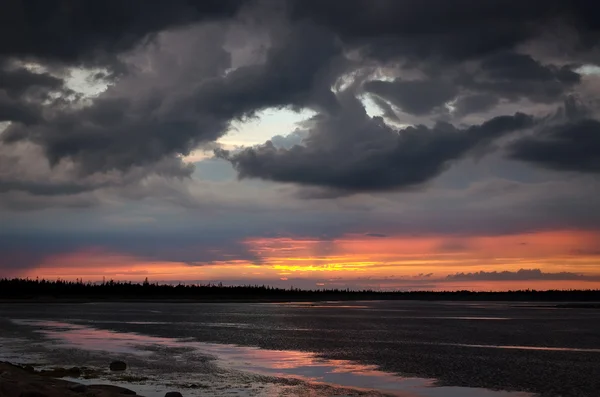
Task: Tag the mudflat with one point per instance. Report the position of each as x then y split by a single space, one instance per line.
516 347
18 382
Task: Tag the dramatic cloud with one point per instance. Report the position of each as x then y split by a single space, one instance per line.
24 93
25 170
17 81
447 30
416 97
94 32
474 103
512 76
118 131
573 146
506 76
351 151
301 50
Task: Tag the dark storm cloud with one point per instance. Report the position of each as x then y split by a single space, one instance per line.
352 152
573 146
117 133
417 97
511 76
14 110
93 32
298 72
24 93
25 174
520 275
16 82
447 30
466 52
521 67
503 76
475 103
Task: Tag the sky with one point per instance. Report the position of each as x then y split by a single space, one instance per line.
383 144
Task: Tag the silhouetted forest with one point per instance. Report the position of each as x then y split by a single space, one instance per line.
26 289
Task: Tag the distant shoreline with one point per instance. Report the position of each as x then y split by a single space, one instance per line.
43 291
557 304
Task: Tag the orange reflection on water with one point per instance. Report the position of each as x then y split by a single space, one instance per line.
305 366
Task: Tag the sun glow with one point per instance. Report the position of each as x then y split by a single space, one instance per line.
358 257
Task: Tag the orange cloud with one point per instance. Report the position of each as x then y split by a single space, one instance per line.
408 255
96 264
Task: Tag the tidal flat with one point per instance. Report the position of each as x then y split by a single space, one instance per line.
378 348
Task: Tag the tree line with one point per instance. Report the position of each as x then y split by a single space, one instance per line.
17 288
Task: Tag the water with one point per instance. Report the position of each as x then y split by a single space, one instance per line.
371 348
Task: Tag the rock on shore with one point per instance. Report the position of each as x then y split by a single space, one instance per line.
15 381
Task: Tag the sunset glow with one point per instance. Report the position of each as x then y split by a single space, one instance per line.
390 262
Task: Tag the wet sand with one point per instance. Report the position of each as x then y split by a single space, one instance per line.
505 347
18 382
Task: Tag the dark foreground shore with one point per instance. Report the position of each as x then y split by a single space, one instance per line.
16 381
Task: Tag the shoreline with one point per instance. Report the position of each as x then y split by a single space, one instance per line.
531 303
24 381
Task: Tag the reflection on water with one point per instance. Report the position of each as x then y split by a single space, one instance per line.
86 338
288 364
321 305
557 349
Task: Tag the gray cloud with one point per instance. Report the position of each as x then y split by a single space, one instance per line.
507 76
573 146
569 140
417 97
17 81
352 152
290 140
23 252
13 110
24 93
94 32
475 103
416 30
521 67
25 170
512 76
119 131
187 69
520 275
378 235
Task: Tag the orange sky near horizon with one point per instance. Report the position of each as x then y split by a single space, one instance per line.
393 261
